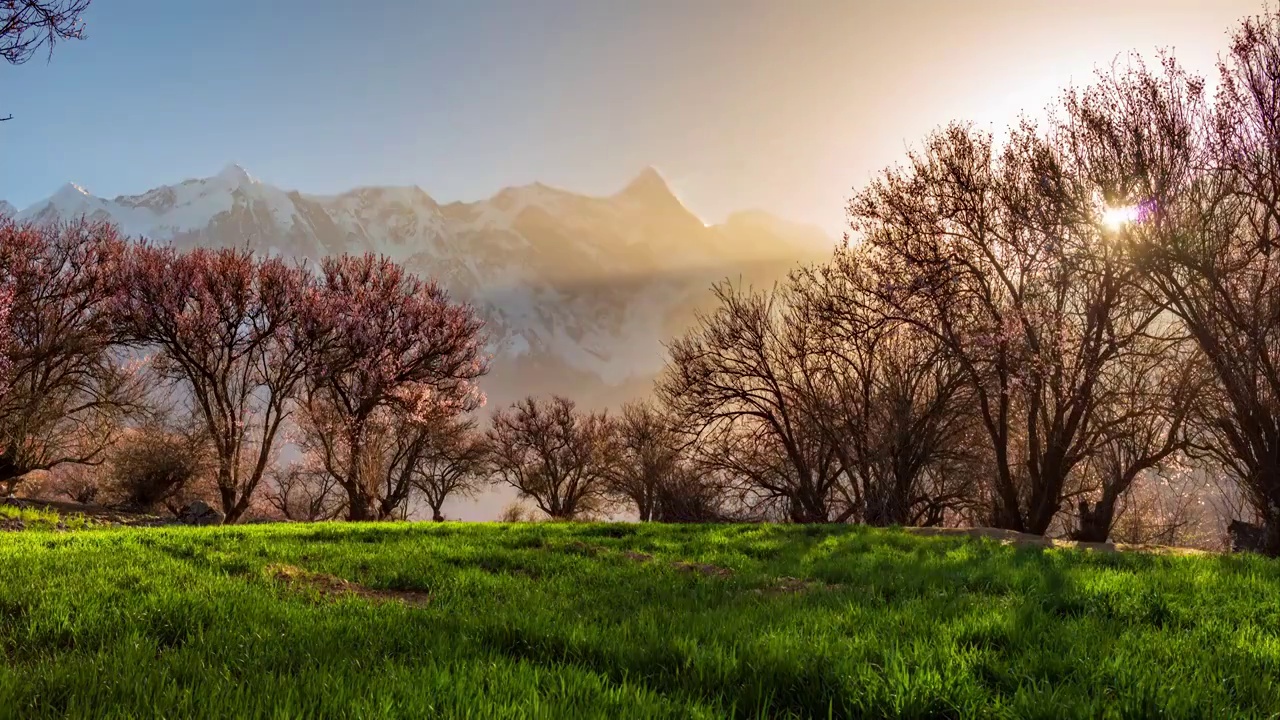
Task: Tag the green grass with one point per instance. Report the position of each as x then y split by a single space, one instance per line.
553 620
42 519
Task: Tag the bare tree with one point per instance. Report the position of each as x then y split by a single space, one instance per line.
68 385
692 493
732 381
649 457
889 400
393 445
452 463
1000 254
1146 432
554 454
304 493
1207 175
385 344
28 25
77 483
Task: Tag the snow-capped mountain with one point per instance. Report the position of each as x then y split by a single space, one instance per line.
579 291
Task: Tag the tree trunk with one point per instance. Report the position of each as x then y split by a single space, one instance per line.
358 509
1095 520
644 509
1005 513
227 495
436 516
1042 514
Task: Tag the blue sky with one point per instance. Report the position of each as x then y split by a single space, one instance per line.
740 103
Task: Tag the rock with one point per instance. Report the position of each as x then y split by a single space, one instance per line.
199 513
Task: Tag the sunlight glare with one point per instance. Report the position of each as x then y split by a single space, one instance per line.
1118 217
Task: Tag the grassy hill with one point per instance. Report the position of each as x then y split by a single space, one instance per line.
623 621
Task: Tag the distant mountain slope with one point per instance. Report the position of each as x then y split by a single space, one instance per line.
579 291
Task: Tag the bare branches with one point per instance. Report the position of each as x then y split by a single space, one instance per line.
733 382
28 25
554 454
451 464
648 457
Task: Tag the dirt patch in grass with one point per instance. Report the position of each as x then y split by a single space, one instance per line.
577 547
330 586
705 569
788 586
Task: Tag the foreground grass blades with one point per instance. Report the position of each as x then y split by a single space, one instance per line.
622 621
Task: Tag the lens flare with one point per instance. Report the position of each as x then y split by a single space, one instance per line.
1117 217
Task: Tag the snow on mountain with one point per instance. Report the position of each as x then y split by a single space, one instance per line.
7 210
579 291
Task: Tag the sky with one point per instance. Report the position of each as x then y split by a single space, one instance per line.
740 104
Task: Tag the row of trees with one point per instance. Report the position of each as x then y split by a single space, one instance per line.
569 462
183 374
93 322
1017 331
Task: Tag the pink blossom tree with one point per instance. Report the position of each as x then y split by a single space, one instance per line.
384 340
66 384
224 325
6 337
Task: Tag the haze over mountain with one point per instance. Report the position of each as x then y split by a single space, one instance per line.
579 292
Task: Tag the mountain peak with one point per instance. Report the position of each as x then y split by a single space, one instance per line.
234 175
7 209
648 185
70 192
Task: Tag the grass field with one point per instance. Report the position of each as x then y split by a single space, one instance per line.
622 621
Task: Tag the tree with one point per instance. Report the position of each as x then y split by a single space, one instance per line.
889 400
226 327
77 483
392 446
550 452
692 494
1208 177
6 337
28 25
302 492
385 343
452 463
649 457
67 385
1153 399
732 381
1002 255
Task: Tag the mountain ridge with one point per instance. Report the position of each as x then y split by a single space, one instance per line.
578 291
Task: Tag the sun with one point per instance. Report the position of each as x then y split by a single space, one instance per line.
1117 217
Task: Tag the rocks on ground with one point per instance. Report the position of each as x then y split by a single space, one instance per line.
199 513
